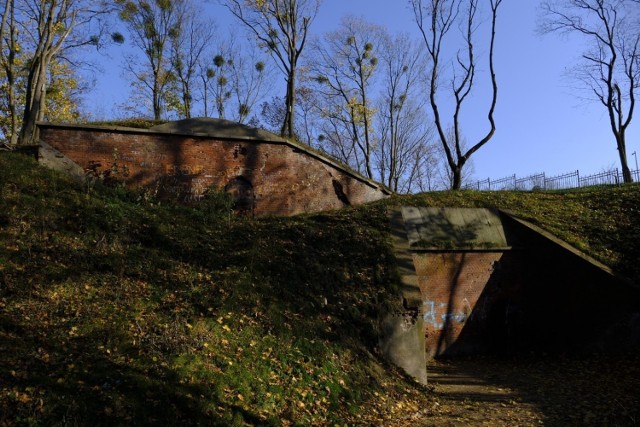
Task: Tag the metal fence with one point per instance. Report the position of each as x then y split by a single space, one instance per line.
559 182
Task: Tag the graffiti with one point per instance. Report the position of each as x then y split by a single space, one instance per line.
437 321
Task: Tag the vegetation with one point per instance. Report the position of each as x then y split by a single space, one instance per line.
137 123
608 67
116 310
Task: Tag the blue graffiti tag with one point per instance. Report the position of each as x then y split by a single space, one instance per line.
437 322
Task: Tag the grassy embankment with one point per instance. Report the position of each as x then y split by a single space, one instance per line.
115 310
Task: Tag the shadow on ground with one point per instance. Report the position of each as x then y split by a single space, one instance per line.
545 390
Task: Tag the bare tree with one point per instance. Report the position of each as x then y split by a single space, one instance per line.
344 66
236 80
444 176
309 119
281 27
152 24
435 19
248 84
403 135
610 65
52 29
8 50
189 42
219 81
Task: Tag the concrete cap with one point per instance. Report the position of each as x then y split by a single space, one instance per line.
453 228
206 126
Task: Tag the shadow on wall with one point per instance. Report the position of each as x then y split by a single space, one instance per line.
570 304
542 297
179 179
262 177
493 324
474 303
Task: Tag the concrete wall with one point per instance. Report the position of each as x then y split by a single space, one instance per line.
268 177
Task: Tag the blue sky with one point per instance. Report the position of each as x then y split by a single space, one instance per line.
542 124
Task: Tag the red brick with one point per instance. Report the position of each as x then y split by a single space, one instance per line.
286 179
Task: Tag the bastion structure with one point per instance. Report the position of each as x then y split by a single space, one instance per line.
264 174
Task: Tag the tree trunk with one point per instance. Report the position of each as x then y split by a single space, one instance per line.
13 102
9 68
622 151
287 124
456 178
157 106
35 100
157 110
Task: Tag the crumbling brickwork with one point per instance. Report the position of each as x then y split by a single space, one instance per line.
265 177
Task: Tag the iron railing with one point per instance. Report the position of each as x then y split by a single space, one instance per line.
558 182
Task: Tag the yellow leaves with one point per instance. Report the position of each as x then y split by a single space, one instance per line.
21 397
360 110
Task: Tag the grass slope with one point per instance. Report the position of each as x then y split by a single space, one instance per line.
114 311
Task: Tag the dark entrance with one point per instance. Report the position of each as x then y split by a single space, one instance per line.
241 191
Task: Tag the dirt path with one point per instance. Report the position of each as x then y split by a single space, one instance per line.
535 391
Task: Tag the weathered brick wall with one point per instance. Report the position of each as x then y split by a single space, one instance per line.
272 177
469 299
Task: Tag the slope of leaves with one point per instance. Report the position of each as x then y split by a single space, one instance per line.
604 222
114 311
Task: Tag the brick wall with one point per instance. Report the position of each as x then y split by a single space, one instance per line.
467 296
543 296
267 177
